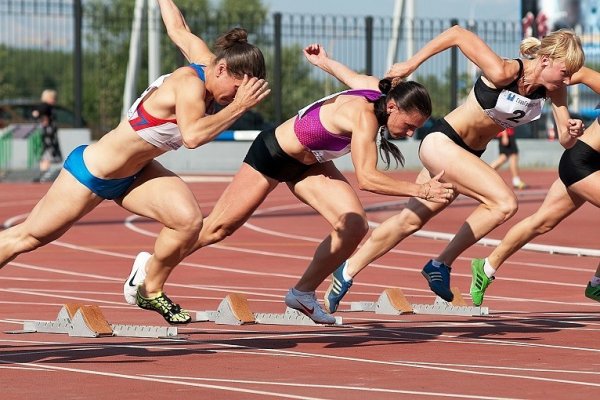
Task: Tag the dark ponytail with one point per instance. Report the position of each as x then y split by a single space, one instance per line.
241 56
408 96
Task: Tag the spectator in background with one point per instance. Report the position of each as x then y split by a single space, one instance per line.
50 146
507 146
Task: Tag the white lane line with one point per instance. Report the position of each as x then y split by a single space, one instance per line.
368 390
169 381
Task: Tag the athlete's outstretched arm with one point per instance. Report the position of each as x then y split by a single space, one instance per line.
316 55
496 69
193 48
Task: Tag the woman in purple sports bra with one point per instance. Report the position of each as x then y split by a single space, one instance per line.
300 151
121 166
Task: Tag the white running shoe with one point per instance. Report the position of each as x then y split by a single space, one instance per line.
309 306
137 276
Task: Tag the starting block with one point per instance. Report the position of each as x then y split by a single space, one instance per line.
235 310
393 302
88 321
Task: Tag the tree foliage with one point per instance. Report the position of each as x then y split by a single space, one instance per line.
106 40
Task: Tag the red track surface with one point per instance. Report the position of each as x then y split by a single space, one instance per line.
539 341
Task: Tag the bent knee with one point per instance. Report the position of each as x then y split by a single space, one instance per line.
407 222
352 226
507 206
187 219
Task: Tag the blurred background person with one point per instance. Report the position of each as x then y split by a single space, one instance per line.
50 147
508 151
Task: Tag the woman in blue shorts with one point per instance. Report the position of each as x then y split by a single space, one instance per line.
175 110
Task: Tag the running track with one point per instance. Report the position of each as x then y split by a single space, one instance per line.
539 342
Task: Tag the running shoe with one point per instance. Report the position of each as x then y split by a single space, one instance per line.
592 292
137 276
439 279
170 311
337 289
479 281
309 306
520 185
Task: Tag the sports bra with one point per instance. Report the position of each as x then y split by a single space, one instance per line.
315 137
505 106
162 133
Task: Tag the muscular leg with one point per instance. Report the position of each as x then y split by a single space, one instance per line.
240 199
589 189
473 178
161 195
66 201
326 190
395 229
558 204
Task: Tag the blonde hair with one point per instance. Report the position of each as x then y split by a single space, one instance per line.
562 45
48 96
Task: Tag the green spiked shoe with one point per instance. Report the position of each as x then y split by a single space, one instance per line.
592 292
479 281
170 311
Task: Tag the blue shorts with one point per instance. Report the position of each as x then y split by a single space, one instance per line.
106 188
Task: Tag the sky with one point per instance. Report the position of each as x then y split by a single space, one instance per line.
471 9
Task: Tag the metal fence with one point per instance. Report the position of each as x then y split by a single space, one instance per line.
81 49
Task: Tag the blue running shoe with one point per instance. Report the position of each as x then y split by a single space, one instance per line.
439 280
337 290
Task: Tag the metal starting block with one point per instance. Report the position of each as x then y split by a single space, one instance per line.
393 302
235 310
88 321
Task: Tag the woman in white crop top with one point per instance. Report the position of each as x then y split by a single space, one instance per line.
550 65
122 165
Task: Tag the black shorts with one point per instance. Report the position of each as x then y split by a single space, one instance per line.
577 163
443 126
510 148
267 157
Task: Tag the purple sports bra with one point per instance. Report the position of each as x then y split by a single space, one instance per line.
312 134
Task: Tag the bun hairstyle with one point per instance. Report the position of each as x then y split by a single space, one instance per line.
562 45
408 96
241 57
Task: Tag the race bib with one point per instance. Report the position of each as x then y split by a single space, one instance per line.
512 109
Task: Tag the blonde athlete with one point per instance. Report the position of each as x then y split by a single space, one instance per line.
509 93
579 181
175 110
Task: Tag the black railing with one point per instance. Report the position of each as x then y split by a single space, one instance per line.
82 50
